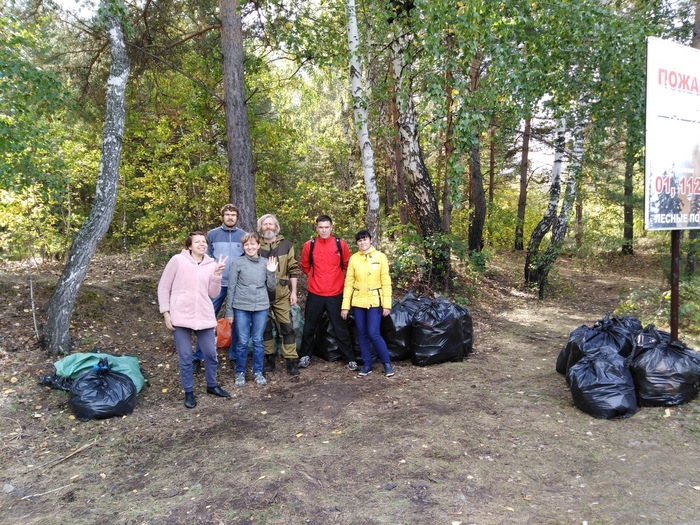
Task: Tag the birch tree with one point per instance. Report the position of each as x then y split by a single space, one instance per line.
540 272
56 335
532 267
420 192
361 119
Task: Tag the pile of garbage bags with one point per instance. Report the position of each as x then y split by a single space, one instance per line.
99 385
616 366
426 331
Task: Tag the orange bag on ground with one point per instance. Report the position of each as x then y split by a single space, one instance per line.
223 333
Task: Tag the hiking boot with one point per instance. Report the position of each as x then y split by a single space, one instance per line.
304 361
190 401
269 363
352 365
240 379
365 371
388 370
196 366
292 367
260 379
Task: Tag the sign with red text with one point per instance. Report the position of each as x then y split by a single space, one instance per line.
672 167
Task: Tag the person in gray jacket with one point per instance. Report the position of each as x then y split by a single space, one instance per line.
251 278
224 241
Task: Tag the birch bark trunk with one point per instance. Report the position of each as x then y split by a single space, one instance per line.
545 224
420 192
551 254
361 118
56 333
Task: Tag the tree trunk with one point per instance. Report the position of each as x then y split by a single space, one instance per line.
543 227
361 117
552 252
477 200
492 160
449 147
579 220
546 261
420 192
56 334
239 147
397 161
522 196
628 201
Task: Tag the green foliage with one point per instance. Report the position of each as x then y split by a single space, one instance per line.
410 252
653 305
174 176
478 260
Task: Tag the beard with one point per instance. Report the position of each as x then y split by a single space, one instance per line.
269 235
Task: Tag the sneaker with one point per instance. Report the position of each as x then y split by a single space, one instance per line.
388 370
240 379
352 365
304 361
260 379
365 371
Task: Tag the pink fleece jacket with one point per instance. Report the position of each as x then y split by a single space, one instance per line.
186 290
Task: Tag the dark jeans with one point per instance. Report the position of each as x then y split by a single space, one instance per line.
367 322
315 306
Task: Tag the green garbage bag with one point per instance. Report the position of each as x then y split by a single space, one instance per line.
75 365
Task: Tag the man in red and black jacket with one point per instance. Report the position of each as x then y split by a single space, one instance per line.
324 260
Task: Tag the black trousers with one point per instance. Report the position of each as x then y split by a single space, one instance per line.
315 306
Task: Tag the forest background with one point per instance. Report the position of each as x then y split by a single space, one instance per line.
452 129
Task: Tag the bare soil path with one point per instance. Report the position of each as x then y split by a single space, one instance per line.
492 440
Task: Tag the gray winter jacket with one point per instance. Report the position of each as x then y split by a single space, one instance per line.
248 285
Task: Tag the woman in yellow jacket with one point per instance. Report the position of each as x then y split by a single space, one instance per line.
368 291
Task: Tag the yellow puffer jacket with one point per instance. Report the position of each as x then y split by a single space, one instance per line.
367 281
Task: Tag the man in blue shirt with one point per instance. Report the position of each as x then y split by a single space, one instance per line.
223 241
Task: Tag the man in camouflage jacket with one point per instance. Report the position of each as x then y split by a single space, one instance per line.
288 271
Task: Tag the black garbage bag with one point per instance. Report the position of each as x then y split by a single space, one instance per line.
326 344
396 331
56 382
667 374
577 338
101 393
412 303
607 336
467 327
602 386
649 338
437 334
629 323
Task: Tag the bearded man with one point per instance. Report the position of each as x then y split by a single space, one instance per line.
275 245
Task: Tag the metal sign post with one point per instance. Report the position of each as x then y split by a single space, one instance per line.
675 278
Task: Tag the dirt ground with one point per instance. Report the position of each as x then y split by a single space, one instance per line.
492 440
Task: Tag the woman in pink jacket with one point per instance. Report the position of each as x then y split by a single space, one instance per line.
190 279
